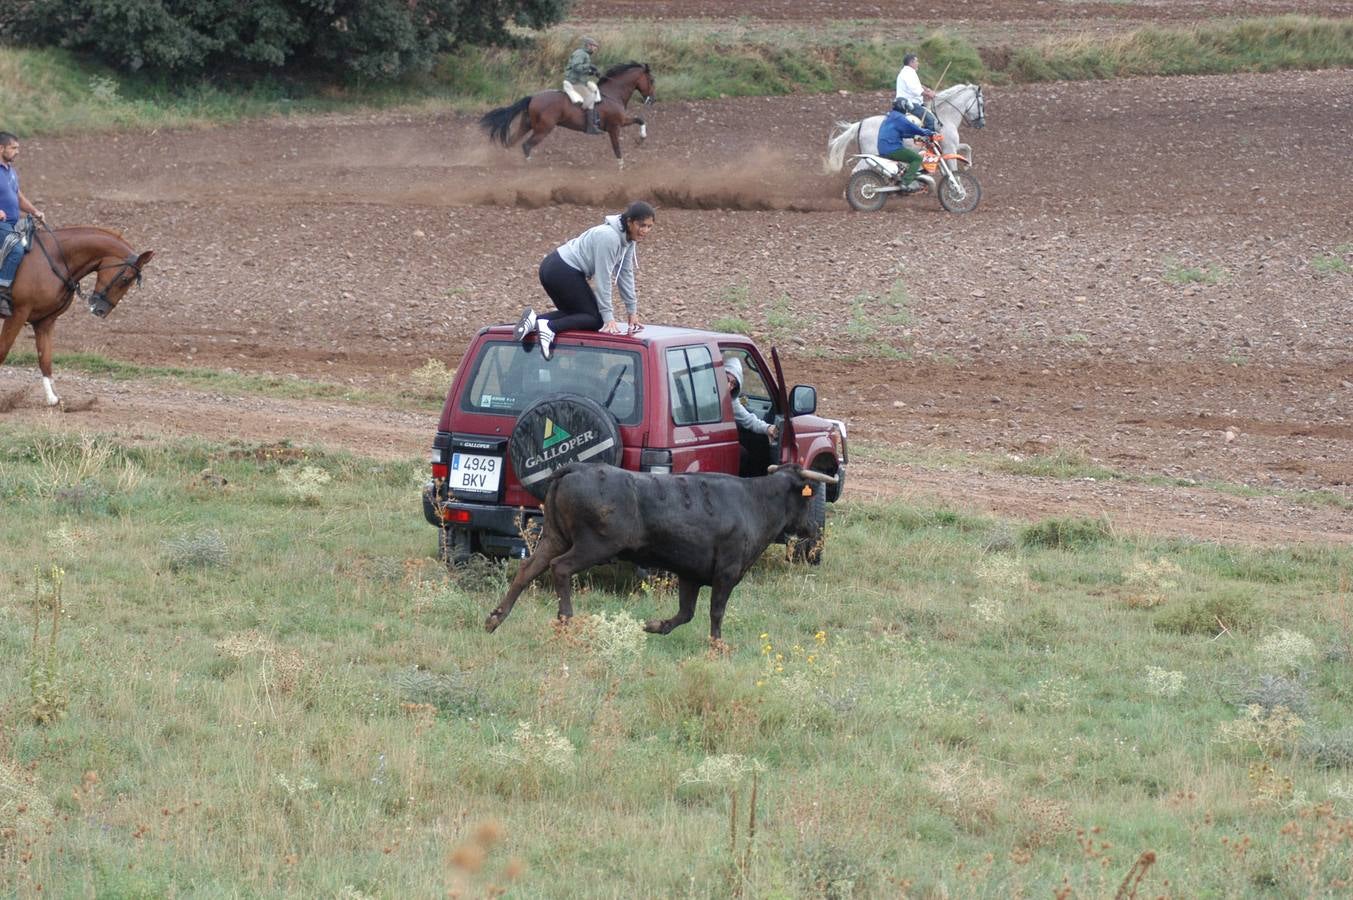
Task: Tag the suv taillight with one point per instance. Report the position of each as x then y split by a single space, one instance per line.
441 446
656 461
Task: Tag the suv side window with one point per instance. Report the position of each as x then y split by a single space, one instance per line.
694 386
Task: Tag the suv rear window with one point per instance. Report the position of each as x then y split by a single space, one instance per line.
506 380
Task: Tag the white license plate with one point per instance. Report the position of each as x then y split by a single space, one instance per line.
474 472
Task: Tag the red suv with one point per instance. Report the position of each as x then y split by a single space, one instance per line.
654 401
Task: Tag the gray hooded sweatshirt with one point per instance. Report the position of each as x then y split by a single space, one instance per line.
605 254
741 414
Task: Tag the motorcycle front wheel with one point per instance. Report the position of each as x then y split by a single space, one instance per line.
959 192
863 193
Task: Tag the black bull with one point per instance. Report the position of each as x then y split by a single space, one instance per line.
707 529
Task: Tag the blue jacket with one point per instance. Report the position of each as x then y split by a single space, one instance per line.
896 128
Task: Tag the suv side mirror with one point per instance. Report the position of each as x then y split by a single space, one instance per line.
803 400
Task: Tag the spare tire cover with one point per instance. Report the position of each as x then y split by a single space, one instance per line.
559 429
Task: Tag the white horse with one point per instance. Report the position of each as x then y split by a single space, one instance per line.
961 103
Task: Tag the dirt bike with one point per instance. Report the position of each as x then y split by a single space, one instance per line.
957 188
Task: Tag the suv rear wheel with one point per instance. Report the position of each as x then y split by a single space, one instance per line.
454 546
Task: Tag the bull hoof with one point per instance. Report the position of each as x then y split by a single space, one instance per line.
656 626
493 621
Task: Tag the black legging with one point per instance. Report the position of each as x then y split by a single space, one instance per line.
575 304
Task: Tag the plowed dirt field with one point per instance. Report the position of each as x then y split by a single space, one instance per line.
1156 279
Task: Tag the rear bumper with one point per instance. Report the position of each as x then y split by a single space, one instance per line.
498 529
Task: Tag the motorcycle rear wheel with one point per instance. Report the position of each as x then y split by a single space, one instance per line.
950 188
863 191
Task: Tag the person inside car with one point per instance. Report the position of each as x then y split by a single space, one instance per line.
754 433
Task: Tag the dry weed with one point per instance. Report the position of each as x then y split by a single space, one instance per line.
280 668
970 796
1044 821
1273 732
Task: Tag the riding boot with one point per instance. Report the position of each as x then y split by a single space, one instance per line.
6 301
593 120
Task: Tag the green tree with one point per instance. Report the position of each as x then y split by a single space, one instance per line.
341 39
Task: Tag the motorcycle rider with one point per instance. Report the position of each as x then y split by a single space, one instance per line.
912 94
893 135
582 72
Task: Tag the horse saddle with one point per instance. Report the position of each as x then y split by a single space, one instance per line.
19 239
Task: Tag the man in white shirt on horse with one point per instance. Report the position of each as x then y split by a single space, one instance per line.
911 94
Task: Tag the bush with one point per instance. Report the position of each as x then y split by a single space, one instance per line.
1209 615
1330 749
364 39
1065 534
201 550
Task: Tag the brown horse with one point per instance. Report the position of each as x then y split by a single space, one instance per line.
49 279
541 112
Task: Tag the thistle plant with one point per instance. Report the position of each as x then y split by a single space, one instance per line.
1286 651
432 379
1164 683
615 641
1273 732
49 693
305 485
1150 583
730 771
540 750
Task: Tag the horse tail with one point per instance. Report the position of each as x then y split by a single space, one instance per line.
497 122
837 144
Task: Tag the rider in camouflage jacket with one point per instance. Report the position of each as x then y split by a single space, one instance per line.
583 73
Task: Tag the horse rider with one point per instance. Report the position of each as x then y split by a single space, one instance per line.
914 94
13 238
893 135
582 72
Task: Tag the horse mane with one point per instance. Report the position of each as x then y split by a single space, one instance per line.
950 91
621 68
109 231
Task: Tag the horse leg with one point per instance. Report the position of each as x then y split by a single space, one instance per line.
538 134
523 129
614 131
636 120
42 335
9 333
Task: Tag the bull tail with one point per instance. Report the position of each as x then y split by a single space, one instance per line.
497 122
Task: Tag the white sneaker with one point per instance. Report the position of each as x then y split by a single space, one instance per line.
545 335
525 325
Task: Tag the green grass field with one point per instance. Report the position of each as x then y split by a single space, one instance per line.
239 671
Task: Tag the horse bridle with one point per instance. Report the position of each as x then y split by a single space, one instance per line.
981 119
98 301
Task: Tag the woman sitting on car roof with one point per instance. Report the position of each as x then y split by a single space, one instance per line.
605 253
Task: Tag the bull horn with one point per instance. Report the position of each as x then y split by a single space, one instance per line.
823 477
772 470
